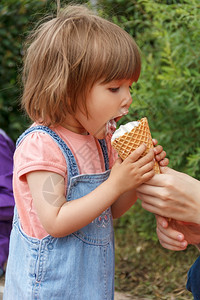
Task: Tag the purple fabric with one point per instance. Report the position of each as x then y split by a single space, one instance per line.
7 148
4 241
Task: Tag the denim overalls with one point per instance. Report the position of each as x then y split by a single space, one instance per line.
79 266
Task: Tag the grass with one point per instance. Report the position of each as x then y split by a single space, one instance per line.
146 270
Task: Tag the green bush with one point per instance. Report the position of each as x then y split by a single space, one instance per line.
17 18
168 90
168 93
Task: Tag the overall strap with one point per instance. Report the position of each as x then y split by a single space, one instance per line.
105 153
69 157
72 168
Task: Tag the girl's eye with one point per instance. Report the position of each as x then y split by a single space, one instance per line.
114 90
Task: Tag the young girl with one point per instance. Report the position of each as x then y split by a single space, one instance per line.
78 72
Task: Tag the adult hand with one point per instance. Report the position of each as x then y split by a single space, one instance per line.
173 195
160 154
168 237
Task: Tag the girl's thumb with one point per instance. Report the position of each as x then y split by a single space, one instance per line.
118 161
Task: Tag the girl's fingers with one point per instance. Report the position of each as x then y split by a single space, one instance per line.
155 142
158 149
118 161
164 162
149 157
160 156
148 175
136 154
147 167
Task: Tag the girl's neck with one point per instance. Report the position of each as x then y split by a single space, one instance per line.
74 128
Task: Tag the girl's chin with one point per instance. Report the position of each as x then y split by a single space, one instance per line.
107 130
101 134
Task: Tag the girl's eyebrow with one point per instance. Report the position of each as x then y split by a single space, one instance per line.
115 81
120 81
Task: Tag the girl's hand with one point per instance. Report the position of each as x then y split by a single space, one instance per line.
168 237
133 171
160 154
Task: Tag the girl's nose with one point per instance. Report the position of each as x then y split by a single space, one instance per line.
125 106
127 102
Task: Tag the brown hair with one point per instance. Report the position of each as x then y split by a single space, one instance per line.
67 56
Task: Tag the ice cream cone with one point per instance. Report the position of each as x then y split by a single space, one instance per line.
131 140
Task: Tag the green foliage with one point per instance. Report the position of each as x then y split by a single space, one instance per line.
168 93
168 90
17 18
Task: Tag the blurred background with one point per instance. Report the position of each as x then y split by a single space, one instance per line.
168 93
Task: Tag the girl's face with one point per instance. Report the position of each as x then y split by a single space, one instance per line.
105 103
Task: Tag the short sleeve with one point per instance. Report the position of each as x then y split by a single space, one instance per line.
37 152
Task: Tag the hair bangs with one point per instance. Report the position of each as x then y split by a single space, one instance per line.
67 56
115 57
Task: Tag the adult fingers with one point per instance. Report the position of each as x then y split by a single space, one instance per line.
161 221
169 242
170 233
159 180
149 190
151 208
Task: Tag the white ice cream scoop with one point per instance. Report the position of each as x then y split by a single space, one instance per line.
123 129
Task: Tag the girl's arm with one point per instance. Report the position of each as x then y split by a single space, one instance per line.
61 218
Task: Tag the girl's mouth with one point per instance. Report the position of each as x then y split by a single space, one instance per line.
111 125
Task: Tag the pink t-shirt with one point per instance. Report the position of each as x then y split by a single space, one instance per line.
39 152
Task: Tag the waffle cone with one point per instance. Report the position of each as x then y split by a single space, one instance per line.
130 141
